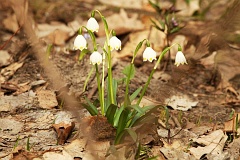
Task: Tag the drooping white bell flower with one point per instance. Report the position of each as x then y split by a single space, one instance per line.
92 25
95 58
180 58
149 54
80 43
115 43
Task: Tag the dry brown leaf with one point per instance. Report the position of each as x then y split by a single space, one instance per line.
230 126
121 23
10 23
125 4
187 9
181 102
213 144
63 131
76 148
155 37
5 58
8 71
102 147
175 149
47 99
57 156
56 33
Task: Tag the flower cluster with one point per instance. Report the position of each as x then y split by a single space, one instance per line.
96 58
81 43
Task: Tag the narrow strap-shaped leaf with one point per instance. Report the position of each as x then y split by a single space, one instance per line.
122 121
129 70
137 108
92 110
140 119
132 133
135 94
117 116
111 113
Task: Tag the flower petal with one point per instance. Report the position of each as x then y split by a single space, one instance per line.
180 59
95 58
92 25
149 54
114 43
80 43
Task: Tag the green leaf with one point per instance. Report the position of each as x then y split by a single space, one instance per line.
90 107
137 108
137 48
146 117
132 133
176 29
28 144
92 110
119 137
122 121
82 54
135 94
129 70
162 24
188 2
111 113
155 6
114 86
117 116
127 101
87 79
105 23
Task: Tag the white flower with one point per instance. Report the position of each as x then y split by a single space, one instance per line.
180 58
149 54
114 43
95 58
80 43
92 24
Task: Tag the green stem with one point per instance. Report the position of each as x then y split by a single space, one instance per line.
127 85
145 87
110 75
109 56
103 83
154 69
99 90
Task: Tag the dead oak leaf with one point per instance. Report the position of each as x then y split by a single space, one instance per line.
121 23
47 99
63 131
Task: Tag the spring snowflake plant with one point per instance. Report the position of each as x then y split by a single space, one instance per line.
125 115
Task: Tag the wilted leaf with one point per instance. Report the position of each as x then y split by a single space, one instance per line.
58 156
187 9
8 71
5 58
124 3
10 23
76 148
63 131
230 126
180 102
213 144
47 99
121 23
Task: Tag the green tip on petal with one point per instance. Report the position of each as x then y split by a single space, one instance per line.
179 48
113 33
93 14
147 44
